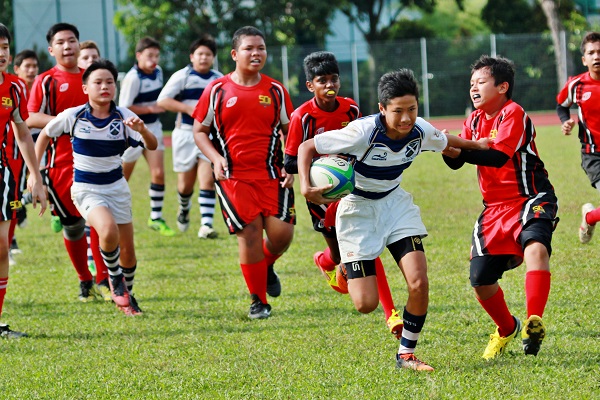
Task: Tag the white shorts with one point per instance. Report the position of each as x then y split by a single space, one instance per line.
365 227
115 196
185 151
131 154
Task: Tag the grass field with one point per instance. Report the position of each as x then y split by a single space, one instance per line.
195 342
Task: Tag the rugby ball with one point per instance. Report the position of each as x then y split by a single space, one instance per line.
332 170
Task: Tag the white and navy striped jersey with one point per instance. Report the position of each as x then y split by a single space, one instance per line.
97 143
186 86
378 160
141 89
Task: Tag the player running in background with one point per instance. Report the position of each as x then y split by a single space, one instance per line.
249 110
13 113
139 90
101 132
379 213
88 53
327 111
520 206
180 95
584 91
54 91
26 67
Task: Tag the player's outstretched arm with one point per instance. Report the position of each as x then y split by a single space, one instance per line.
306 152
135 123
460 143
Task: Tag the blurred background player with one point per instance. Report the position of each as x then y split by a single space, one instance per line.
180 95
101 132
13 113
26 67
584 91
54 91
379 213
324 112
250 112
139 90
520 206
88 53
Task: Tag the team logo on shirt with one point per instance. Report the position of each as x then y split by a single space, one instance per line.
493 133
538 209
115 128
380 157
264 100
231 102
320 130
64 87
586 96
411 150
345 123
85 129
7 102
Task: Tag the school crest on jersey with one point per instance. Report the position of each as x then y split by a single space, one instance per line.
411 150
264 100
7 102
115 128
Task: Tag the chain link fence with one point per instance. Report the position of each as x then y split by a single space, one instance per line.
441 65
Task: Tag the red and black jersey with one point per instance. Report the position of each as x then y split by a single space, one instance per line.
53 92
584 91
523 176
309 120
247 121
13 107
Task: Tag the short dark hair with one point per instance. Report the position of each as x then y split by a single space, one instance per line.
245 31
320 63
397 83
146 43
204 40
59 27
101 63
23 55
89 44
590 37
4 33
501 69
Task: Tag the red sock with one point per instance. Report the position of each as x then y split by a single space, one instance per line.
77 250
496 307
593 216
3 284
270 258
325 260
385 296
101 270
537 288
256 279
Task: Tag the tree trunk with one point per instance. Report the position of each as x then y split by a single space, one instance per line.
550 11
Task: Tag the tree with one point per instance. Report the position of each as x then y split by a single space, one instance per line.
551 12
177 23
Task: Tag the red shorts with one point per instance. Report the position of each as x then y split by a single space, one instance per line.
498 229
59 181
243 201
329 220
9 185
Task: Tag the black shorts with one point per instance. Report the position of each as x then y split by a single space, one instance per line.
591 165
488 269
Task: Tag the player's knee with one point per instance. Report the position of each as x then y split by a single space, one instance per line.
366 304
74 230
419 287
